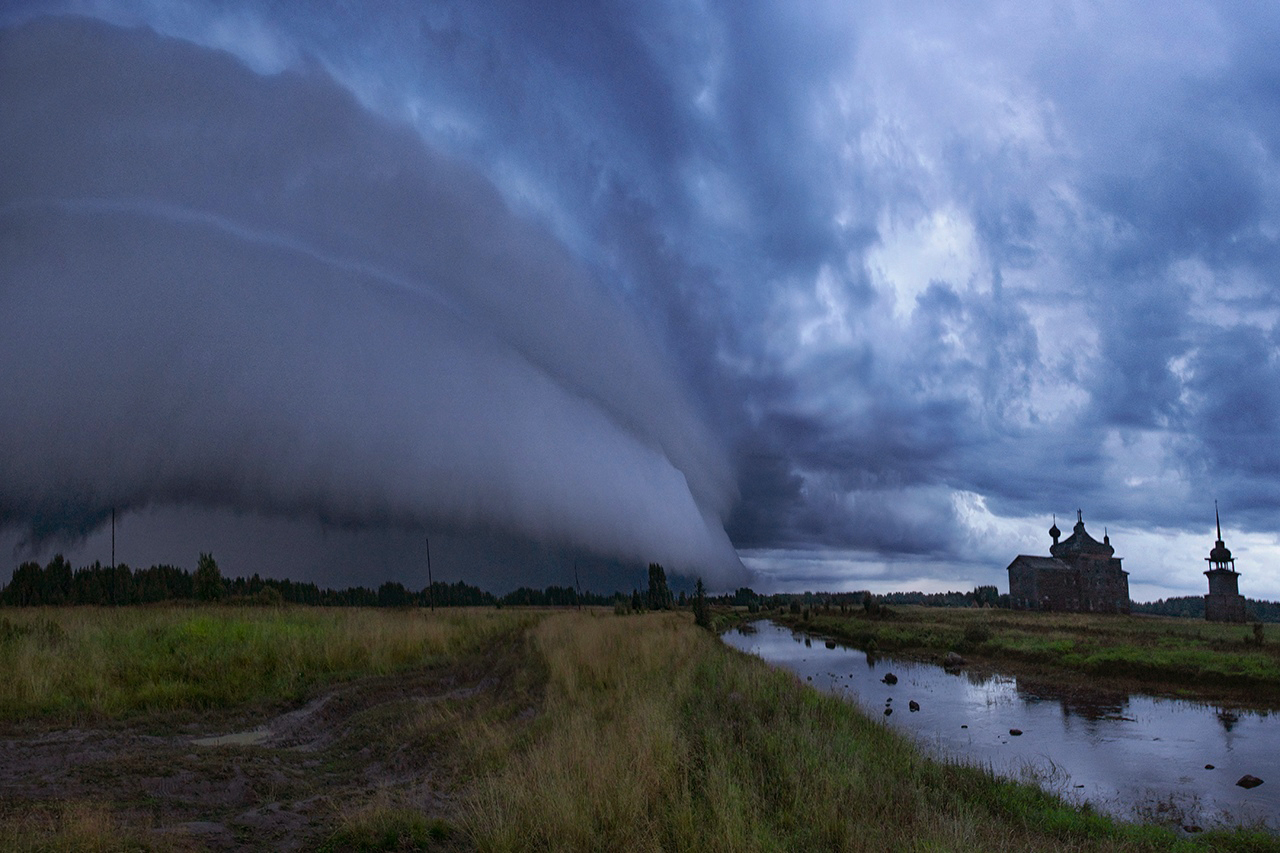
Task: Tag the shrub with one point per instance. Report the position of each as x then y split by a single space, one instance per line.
976 635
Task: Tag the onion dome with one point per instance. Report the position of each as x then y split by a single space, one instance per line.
1221 554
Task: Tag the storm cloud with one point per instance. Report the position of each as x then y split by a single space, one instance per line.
240 291
866 294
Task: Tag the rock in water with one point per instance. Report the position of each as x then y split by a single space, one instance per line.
1015 732
831 644
888 711
890 678
913 705
1247 781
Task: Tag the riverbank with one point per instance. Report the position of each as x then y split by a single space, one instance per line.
566 730
1184 658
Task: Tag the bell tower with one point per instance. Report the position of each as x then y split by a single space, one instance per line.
1224 603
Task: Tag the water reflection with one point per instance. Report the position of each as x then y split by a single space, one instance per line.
1133 756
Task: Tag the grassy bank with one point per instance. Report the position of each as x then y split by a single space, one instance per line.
89 663
511 731
1175 655
655 736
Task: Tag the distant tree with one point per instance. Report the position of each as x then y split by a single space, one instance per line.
207 581
24 587
660 597
122 586
986 596
393 594
56 583
701 610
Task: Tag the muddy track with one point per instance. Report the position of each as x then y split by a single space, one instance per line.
272 782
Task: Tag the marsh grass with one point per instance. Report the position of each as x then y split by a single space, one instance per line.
384 824
1148 648
654 736
63 663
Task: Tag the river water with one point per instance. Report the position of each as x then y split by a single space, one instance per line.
1132 756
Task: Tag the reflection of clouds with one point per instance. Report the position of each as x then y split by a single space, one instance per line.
1127 754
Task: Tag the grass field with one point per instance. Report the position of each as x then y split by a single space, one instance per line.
1181 656
94 663
491 730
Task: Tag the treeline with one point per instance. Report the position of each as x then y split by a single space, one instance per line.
56 583
982 596
1192 606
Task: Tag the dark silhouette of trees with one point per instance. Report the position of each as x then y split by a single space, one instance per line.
207 581
660 597
701 609
393 594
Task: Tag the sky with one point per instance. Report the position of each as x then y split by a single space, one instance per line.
789 295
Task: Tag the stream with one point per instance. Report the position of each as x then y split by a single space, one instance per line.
1132 756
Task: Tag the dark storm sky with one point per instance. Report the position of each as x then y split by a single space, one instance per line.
797 295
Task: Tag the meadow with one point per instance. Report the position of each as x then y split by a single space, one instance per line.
478 729
1182 657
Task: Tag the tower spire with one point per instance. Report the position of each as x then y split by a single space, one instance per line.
1217 520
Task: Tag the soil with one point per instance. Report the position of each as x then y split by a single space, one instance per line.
258 780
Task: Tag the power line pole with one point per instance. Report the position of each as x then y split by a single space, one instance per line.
113 539
431 591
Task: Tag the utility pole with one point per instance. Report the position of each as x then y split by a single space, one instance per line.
431 591
113 539
577 583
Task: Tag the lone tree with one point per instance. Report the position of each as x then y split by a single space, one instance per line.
660 597
701 610
207 581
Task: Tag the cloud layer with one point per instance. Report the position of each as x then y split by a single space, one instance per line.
237 291
927 275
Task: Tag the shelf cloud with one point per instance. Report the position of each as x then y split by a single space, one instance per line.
233 290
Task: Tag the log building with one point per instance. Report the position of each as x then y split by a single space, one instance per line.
1082 575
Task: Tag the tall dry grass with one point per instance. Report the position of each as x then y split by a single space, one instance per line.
654 736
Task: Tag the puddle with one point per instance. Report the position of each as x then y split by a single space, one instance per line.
1131 756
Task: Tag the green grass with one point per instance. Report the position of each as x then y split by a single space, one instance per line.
382 826
576 731
64 663
1159 650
